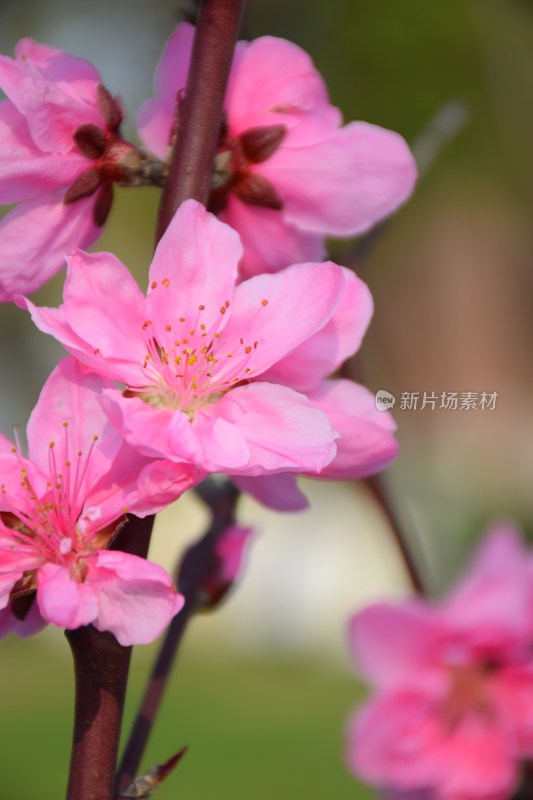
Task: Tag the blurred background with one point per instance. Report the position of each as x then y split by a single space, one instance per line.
264 686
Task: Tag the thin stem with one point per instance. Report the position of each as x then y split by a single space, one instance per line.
377 489
200 115
191 574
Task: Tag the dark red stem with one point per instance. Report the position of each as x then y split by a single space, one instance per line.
101 667
200 114
190 576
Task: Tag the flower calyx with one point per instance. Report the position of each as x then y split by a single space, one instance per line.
115 160
232 173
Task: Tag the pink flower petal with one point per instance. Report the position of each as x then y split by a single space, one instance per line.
271 74
313 184
394 645
477 762
63 601
32 622
366 444
156 432
270 244
68 413
279 492
136 599
111 323
490 606
263 414
395 741
34 238
194 265
161 483
25 171
155 116
264 310
75 76
325 351
52 105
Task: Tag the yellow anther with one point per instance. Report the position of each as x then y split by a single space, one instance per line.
165 282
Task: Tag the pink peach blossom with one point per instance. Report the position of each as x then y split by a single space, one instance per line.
225 378
61 506
227 564
451 718
59 149
286 173
193 352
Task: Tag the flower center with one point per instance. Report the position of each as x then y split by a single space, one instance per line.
46 525
191 363
468 693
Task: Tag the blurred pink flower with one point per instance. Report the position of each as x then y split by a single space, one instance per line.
193 353
286 173
453 712
60 150
61 506
227 564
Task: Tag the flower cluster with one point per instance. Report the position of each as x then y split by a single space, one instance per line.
225 364
451 719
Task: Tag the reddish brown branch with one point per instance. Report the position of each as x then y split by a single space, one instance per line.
200 116
101 668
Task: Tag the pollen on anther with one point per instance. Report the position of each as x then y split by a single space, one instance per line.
222 309
165 282
65 424
153 285
147 323
181 319
264 302
248 349
95 438
51 445
168 327
201 308
13 449
227 303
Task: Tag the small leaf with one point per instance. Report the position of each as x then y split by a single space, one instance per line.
144 786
